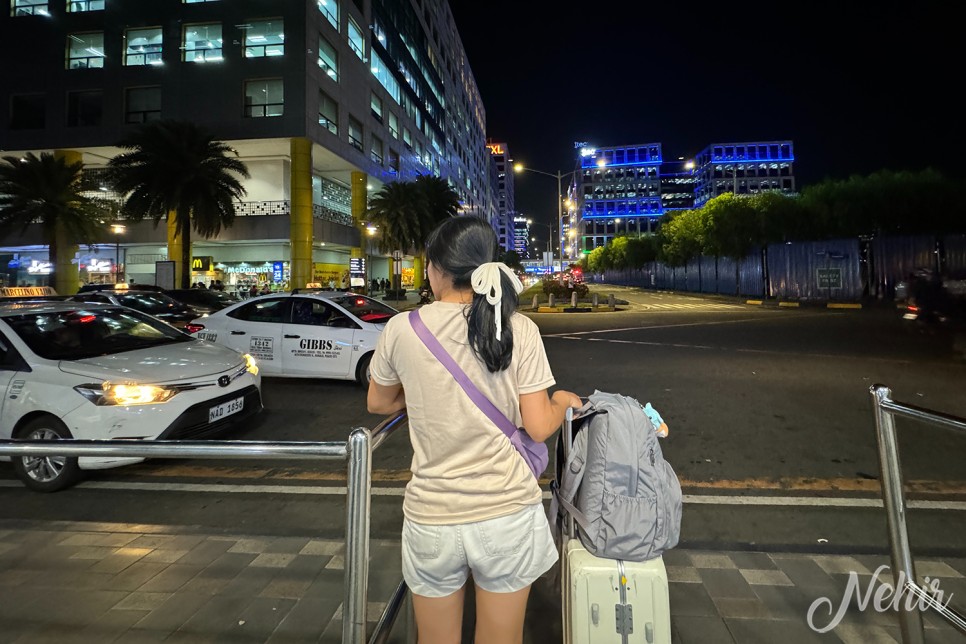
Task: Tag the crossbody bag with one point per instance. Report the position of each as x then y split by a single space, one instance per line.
534 454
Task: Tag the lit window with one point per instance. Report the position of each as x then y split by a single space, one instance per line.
264 98
375 104
330 9
383 75
265 38
376 151
77 6
393 125
407 138
357 43
85 51
355 133
142 104
328 59
202 43
84 109
29 8
194 1
328 113
142 46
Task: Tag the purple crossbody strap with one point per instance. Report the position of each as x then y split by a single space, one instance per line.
477 396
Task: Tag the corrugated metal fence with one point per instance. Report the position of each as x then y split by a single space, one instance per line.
832 270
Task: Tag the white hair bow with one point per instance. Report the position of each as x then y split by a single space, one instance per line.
486 281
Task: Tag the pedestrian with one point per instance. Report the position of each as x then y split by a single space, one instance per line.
373 285
472 504
253 291
385 284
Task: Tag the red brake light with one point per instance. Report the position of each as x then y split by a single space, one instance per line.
360 302
193 328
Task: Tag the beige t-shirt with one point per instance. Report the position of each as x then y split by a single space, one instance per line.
464 467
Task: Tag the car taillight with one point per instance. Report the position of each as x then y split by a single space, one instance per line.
193 328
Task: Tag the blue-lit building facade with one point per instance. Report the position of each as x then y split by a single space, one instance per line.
743 169
521 236
625 190
617 191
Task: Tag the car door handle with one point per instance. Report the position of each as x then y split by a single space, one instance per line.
238 333
292 337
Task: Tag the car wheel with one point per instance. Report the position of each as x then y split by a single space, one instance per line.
46 473
362 370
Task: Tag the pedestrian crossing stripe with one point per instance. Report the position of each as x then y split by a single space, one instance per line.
702 306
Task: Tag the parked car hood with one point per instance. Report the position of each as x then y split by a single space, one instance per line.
166 363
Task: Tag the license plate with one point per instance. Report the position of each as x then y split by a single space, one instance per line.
226 409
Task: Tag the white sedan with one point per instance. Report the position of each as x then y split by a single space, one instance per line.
77 370
302 334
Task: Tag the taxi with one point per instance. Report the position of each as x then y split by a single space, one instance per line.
303 333
91 371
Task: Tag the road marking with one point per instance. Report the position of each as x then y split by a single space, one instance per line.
768 315
319 490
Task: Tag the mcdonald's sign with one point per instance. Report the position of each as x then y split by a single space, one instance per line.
201 264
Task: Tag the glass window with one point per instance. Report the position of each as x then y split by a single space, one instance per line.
202 43
85 50
89 332
264 98
393 160
328 58
407 138
376 150
328 113
28 112
393 125
84 109
272 311
76 6
265 38
142 46
384 76
365 308
355 133
142 104
330 9
314 312
29 8
375 104
194 1
357 42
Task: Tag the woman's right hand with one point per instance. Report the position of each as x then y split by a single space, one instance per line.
567 399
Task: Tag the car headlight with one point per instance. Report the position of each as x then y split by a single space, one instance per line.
250 364
125 394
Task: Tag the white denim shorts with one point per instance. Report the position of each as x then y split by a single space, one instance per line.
505 554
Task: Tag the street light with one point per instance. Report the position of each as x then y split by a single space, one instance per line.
519 167
371 230
117 229
531 222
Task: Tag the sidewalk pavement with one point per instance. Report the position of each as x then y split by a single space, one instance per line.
89 582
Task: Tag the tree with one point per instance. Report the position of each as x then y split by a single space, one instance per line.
406 212
47 191
682 236
512 259
175 168
732 226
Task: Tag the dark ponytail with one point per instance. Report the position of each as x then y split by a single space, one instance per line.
457 247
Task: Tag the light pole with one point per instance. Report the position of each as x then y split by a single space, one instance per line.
519 167
117 229
371 230
531 222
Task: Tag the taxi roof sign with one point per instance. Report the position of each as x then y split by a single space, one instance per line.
26 291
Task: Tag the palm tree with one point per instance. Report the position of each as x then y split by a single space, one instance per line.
47 191
407 212
175 168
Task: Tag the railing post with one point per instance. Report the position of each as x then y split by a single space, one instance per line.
358 491
893 497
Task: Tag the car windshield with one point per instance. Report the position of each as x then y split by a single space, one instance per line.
365 308
85 333
153 303
199 296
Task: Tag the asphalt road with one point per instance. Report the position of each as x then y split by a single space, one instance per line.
765 404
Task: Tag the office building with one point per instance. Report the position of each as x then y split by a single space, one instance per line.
521 236
625 190
337 96
502 219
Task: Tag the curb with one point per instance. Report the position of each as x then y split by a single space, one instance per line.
843 305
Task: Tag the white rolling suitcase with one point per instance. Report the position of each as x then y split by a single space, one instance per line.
609 600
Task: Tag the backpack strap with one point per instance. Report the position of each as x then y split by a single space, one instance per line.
570 479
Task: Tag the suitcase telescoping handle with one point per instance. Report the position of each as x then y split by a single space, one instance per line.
568 440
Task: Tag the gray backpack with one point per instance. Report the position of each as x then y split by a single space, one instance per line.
616 485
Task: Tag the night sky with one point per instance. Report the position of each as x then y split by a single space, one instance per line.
858 86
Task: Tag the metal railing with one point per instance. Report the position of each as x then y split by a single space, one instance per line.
357 451
893 497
